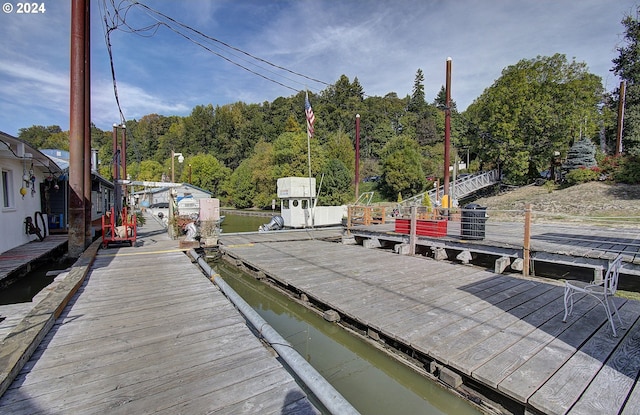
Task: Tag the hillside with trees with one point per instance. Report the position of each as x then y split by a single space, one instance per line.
537 107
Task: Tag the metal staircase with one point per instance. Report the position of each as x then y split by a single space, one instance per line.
462 187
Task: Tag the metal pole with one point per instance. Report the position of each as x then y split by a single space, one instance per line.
116 175
447 133
114 141
527 240
621 103
76 129
357 156
123 150
467 160
172 218
173 176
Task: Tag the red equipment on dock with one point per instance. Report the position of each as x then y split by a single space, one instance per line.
424 227
127 232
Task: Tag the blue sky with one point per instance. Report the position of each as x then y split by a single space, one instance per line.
381 42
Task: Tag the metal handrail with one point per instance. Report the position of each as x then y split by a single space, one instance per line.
460 188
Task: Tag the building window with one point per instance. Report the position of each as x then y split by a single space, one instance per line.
7 189
98 196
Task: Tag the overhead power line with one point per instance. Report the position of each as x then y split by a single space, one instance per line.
116 19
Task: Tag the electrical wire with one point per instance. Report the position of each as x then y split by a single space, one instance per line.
43 164
198 32
104 12
116 19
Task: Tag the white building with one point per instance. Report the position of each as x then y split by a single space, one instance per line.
187 198
29 178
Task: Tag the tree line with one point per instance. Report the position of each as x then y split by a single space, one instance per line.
536 109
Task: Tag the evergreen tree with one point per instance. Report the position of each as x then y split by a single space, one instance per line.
581 154
440 100
337 186
417 103
627 67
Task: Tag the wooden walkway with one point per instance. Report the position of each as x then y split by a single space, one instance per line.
20 260
147 332
502 332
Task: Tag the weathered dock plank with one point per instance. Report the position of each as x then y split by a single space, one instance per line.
23 258
147 332
501 331
633 403
609 389
569 382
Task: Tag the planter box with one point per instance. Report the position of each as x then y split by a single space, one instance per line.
424 227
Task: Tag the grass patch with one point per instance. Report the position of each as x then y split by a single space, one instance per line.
629 295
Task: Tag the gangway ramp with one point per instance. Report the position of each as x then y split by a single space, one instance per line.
459 188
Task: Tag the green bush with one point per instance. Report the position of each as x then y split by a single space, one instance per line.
582 175
550 185
609 164
628 170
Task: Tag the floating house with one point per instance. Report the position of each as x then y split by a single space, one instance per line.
29 181
102 194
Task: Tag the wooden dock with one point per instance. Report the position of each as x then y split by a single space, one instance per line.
498 335
20 260
146 332
552 243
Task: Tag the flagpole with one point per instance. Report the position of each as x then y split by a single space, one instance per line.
310 119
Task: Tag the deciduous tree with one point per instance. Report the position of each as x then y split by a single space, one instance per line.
402 168
536 107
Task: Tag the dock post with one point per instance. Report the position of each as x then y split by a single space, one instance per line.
412 230
527 239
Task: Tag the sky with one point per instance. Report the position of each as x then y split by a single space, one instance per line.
382 43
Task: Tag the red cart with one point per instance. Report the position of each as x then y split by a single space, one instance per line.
127 232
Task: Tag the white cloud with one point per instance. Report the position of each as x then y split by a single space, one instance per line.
135 101
381 43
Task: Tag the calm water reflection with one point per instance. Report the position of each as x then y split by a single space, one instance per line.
237 223
373 382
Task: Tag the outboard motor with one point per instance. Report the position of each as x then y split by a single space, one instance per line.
192 231
275 224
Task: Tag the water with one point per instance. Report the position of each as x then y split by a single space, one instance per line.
25 288
371 380
237 223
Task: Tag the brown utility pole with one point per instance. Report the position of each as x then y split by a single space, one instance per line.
88 236
123 161
447 135
117 190
77 106
357 156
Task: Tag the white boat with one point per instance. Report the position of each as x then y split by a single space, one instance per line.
298 205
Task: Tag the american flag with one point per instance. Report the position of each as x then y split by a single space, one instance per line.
310 117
